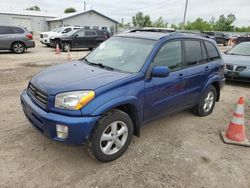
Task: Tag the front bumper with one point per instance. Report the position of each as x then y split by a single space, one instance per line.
79 127
243 76
45 41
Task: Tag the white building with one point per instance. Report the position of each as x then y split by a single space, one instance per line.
35 21
90 19
38 21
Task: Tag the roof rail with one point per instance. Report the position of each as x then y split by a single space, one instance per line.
152 30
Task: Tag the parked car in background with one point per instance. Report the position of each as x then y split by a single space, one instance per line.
45 36
240 39
220 37
83 38
126 82
237 63
15 38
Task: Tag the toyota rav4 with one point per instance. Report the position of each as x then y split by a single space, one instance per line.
132 78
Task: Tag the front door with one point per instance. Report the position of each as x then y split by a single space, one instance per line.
166 95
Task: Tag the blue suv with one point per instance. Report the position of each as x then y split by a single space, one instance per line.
127 81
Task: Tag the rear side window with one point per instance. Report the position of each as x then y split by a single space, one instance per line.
170 55
16 30
5 30
213 53
90 33
193 52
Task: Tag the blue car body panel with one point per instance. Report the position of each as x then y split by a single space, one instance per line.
150 96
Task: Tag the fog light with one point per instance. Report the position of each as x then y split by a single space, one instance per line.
62 131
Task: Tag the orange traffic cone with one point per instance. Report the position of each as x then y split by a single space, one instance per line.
57 49
68 56
236 130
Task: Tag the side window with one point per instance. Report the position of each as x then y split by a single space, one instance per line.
104 28
90 33
95 27
86 27
213 53
76 28
17 30
4 30
80 33
66 30
170 55
192 52
204 57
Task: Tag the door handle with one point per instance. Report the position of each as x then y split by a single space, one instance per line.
180 76
206 69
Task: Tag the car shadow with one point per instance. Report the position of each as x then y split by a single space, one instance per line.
237 83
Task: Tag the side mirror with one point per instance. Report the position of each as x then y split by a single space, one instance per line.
160 71
76 36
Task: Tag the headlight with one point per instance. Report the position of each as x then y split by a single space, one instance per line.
73 100
45 36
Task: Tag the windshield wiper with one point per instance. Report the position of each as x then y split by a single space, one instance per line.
98 64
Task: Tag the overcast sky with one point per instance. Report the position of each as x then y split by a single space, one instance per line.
170 10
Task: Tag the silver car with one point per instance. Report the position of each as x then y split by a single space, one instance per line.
15 38
237 63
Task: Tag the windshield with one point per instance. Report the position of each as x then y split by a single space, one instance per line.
241 49
59 29
121 53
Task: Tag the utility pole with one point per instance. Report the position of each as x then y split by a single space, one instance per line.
84 5
184 18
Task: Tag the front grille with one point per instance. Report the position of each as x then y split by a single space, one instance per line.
38 96
240 68
41 35
229 67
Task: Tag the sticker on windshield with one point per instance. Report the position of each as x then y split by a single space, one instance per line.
102 45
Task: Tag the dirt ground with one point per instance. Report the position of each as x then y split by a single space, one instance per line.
181 150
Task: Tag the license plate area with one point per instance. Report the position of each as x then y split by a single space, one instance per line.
233 74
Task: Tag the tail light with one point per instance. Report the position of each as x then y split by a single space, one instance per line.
29 36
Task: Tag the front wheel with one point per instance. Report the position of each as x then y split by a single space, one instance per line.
111 136
207 102
66 47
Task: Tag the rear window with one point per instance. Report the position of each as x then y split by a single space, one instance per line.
213 53
192 52
16 30
5 30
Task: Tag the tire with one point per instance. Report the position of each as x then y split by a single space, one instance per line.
66 47
206 103
107 149
18 48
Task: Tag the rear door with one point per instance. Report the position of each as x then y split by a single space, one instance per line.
91 37
166 95
6 38
196 62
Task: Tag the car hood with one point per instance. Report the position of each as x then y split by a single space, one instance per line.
74 76
236 60
49 33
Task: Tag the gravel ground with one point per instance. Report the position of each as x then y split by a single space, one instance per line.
181 150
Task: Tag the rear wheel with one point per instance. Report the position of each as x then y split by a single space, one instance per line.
111 136
66 47
207 102
18 48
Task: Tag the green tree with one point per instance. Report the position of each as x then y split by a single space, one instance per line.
199 24
34 8
224 23
160 22
242 29
69 10
139 20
